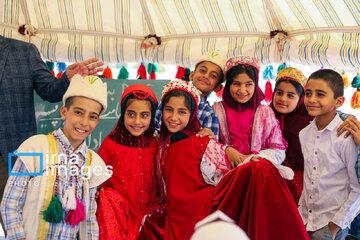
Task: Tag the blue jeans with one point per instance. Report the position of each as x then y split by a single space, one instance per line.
324 234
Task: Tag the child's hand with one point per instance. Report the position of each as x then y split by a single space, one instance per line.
204 132
342 128
333 229
353 127
97 192
235 158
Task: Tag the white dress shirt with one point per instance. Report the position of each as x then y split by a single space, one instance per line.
331 191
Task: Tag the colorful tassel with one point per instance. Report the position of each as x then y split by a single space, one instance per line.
268 91
220 92
74 217
50 66
61 66
180 74
282 66
54 213
124 73
187 74
141 72
107 73
68 200
268 73
355 100
345 79
59 75
152 69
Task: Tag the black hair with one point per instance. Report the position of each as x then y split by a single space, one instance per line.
222 79
333 79
234 71
69 101
189 100
299 89
129 99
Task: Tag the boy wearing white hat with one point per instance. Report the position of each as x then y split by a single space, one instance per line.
50 193
207 77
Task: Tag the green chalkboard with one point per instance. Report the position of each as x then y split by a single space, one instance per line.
48 114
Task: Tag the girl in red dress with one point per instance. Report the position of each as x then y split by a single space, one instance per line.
129 196
198 178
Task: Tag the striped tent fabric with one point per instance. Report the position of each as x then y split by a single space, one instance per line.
311 32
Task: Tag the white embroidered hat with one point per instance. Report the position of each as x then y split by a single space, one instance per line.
218 226
90 87
214 57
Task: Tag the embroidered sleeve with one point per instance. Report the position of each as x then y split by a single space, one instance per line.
13 200
92 225
214 163
267 138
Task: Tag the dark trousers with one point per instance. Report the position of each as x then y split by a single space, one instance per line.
4 174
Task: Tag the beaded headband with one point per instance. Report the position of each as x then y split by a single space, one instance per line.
245 60
182 85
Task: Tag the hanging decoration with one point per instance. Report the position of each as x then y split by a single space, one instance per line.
141 72
151 40
345 79
50 66
282 66
124 73
268 75
27 30
61 66
107 73
280 37
187 74
180 74
151 70
355 100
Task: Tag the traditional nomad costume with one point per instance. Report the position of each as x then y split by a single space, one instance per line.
253 194
130 195
291 124
60 202
261 199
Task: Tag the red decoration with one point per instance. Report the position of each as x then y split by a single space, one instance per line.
141 72
355 100
107 73
59 75
180 74
268 91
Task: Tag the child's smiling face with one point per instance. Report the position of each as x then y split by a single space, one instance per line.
137 117
285 98
242 88
81 118
176 115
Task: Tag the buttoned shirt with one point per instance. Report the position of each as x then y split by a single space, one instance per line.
15 194
331 191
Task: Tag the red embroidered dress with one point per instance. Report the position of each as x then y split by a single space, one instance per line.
129 195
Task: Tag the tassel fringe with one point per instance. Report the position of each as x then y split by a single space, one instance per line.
54 213
74 217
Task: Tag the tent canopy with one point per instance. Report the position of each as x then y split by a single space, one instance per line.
316 32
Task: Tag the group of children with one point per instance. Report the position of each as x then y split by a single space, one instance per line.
160 187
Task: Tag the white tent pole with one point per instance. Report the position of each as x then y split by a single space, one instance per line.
25 11
147 17
273 15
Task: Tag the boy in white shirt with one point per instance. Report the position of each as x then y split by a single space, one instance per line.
331 196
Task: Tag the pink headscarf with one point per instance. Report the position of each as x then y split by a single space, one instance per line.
240 116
